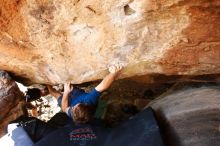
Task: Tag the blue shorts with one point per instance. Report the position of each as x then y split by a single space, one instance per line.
80 96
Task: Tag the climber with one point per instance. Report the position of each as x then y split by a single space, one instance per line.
78 104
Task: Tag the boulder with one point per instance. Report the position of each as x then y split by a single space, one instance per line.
11 101
52 41
190 116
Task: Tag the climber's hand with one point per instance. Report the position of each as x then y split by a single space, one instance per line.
67 88
115 68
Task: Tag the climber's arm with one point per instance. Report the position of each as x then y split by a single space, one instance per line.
53 92
67 89
108 80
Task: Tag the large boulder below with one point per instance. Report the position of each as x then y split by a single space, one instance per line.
51 41
190 116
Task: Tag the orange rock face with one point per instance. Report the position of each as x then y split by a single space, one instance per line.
52 41
201 53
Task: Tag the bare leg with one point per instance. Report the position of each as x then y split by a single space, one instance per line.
53 92
108 80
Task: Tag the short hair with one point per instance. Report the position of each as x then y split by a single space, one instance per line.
83 113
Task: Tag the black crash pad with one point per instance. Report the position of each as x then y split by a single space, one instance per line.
140 130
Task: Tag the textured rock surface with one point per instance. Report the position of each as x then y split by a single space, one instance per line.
190 117
51 41
11 101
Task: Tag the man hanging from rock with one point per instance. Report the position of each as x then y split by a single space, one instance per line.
78 104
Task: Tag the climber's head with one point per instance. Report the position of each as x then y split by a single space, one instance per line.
82 113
